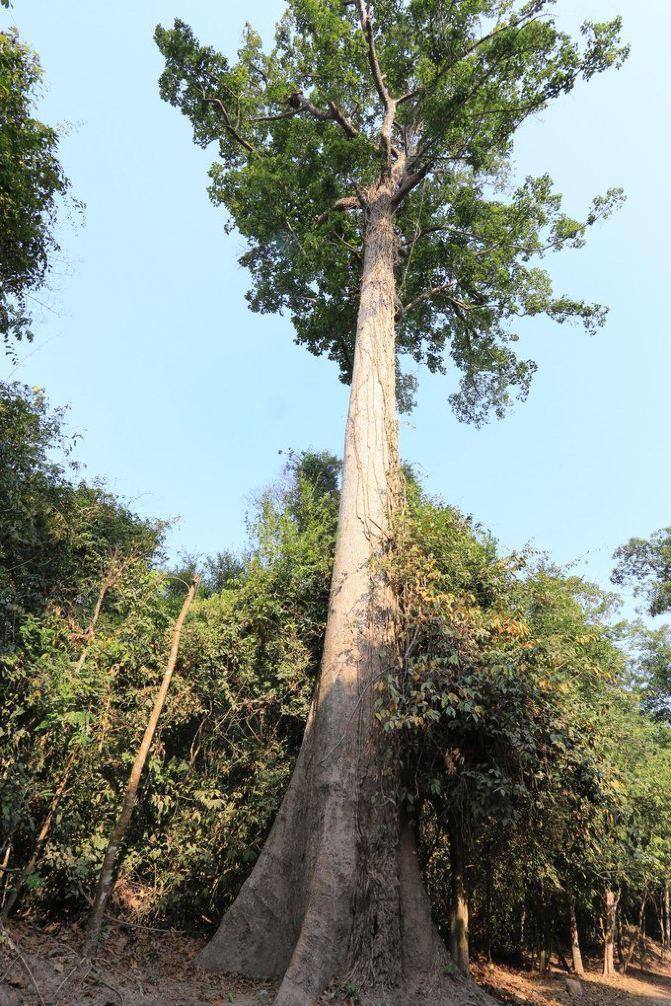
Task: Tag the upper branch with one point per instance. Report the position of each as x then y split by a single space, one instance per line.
521 22
434 291
298 101
343 204
228 125
388 103
378 77
410 180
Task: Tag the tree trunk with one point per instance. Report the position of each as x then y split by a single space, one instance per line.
336 893
104 888
488 906
619 945
666 940
39 843
561 957
5 873
576 955
107 583
609 933
459 913
638 936
545 938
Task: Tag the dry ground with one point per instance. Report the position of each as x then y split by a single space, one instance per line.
648 987
135 967
138 967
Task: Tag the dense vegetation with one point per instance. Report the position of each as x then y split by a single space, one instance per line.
529 757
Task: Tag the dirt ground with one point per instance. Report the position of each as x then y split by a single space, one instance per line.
648 987
138 967
135 967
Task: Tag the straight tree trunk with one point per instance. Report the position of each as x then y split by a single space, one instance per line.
488 907
545 938
459 913
609 933
576 955
336 893
666 939
105 881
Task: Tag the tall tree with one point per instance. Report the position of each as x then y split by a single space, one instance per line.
361 160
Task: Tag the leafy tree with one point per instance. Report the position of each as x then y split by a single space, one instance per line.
652 669
32 185
359 159
646 563
58 541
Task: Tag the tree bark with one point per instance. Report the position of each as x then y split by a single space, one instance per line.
576 955
107 583
560 953
105 881
638 936
545 935
488 906
336 893
609 933
666 940
459 913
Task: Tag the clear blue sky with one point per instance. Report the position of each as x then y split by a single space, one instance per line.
185 398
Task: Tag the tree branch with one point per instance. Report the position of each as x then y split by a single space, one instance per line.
388 103
410 181
343 204
367 28
228 125
426 89
299 101
343 120
275 118
433 292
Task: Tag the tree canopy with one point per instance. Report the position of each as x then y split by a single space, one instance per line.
645 563
350 90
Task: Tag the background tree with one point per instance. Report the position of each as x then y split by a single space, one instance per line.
32 186
646 564
58 540
358 159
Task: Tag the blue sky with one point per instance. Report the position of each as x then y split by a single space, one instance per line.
185 398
